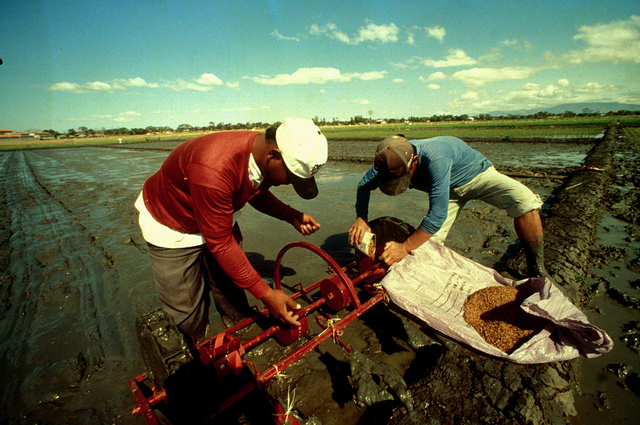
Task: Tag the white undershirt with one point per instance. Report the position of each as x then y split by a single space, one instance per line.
160 235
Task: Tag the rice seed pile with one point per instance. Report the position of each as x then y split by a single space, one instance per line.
495 313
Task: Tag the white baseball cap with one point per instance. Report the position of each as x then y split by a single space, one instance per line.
304 151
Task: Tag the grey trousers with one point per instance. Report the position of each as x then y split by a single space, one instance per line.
186 278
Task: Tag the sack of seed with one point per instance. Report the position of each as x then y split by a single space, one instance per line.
527 321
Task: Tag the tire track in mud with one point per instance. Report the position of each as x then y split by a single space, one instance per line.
55 316
5 234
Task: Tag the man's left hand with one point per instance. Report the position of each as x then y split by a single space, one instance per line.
393 252
305 224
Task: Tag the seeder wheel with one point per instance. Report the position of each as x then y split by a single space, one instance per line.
339 273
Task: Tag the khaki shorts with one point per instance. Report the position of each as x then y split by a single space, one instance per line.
493 188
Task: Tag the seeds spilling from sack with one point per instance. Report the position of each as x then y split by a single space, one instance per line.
495 313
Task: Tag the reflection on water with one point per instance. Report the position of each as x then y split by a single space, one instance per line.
527 155
506 154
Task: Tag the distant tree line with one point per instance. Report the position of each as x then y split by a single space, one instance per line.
356 120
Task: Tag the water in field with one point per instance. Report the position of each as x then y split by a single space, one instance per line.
533 155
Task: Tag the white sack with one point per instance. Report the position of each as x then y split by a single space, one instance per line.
434 281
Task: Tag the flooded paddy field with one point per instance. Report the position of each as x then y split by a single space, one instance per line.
74 277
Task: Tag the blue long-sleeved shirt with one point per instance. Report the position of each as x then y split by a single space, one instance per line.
444 163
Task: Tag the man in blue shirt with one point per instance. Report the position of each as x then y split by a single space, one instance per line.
452 174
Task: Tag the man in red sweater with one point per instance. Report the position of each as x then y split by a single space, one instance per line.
188 210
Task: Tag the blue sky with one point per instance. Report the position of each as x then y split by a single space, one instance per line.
116 63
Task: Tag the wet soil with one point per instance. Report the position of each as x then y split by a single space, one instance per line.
74 276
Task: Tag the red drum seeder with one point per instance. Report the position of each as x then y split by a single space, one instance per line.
224 353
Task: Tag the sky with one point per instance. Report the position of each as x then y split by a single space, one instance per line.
115 63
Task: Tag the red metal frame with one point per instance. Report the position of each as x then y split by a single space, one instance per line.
224 351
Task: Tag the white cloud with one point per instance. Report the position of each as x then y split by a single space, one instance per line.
434 87
591 88
368 76
209 80
205 82
617 41
517 44
276 34
531 95
456 57
398 80
331 31
316 76
480 76
139 82
66 86
303 76
370 32
180 84
470 96
437 76
382 33
436 32
99 86
115 84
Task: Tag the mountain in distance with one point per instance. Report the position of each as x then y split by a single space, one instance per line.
577 108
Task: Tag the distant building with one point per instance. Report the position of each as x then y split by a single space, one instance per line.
8 134
44 135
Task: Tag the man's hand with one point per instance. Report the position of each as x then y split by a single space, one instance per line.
393 252
357 231
279 304
305 224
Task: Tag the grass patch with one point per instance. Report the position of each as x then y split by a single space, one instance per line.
423 131
560 129
566 128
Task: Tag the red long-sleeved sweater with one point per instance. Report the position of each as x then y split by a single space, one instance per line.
200 185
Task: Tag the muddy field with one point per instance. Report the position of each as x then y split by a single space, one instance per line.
74 277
